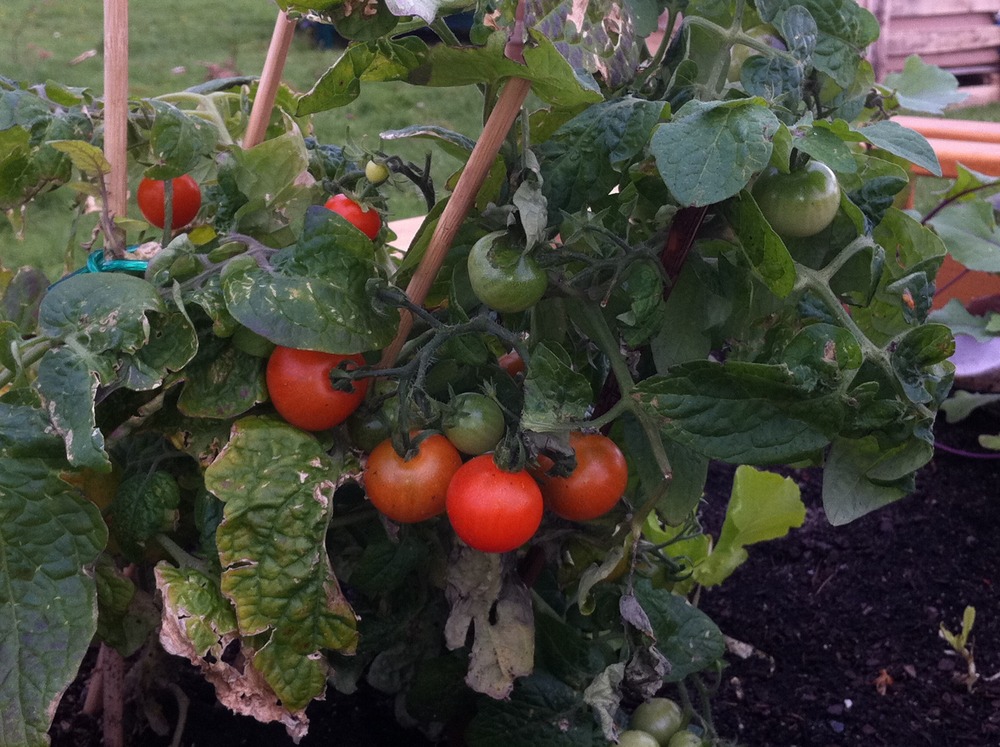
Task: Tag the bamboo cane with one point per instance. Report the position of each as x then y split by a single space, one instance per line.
270 79
501 119
115 118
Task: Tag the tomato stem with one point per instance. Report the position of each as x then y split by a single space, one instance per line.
183 558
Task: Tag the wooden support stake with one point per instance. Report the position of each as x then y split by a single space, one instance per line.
270 79
484 153
116 103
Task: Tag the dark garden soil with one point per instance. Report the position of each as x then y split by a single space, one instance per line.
845 622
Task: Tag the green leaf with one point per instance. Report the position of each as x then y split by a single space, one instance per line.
920 362
20 302
49 539
844 31
901 141
743 413
180 141
385 565
24 428
584 158
553 78
453 143
497 606
822 144
316 294
145 505
961 404
194 606
582 36
541 712
87 158
969 229
763 248
553 392
222 382
199 624
18 171
923 87
763 506
848 492
685 635
961 322
277 483
101 310
410 59
710 150
126 617
68 385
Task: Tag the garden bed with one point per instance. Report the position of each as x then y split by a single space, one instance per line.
831 606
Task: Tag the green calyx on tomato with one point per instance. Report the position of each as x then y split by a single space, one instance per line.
415 487
369 222
473 423
493 510
800 203
186 201
659 717
301 389
502 276
594 486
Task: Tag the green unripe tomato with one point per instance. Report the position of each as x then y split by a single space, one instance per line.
685 739
251 343
661 717
473 423
502 276
636 738
376 172
801 203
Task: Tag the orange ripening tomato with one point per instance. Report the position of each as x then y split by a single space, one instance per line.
153 202
414 489
594 487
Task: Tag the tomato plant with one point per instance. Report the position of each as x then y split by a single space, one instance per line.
413 487
504 277
594 486
151 196
474 423
611 229
491 509
801 203
299 384
368 221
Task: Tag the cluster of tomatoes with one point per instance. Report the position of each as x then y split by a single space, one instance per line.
659 722
453 471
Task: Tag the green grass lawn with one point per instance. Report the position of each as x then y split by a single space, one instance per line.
174 44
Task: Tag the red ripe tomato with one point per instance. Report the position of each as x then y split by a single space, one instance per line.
511 362
153 205
369 222
493 510
302 393
414 489
594 487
